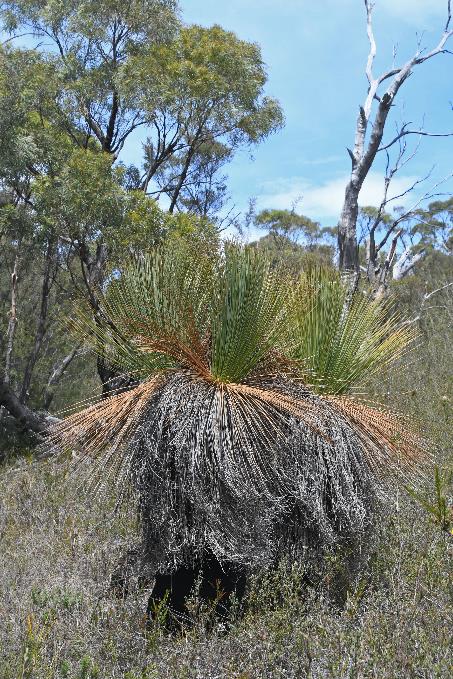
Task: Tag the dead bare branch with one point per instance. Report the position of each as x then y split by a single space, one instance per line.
420 133
366 148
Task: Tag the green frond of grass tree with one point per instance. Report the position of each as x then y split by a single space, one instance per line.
243 437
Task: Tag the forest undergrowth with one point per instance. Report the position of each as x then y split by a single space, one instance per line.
391 617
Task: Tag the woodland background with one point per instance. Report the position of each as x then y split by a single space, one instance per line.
75 85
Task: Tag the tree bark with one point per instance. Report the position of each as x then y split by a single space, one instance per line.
406 263
108 139
12 324
185 169
93 274
347 235
385 270
57 374
112 380
42 320
27 418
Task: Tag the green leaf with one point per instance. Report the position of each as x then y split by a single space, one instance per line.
250 318
340 342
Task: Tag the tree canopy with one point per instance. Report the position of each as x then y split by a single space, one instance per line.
98 76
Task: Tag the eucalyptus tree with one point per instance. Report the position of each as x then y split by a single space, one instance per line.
86 45
112 68
294 240
290 224
97 74
204 191
422 231
432 227
206 98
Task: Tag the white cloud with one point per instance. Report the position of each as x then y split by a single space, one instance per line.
324 202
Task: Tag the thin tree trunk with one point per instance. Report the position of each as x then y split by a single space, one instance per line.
26 417
371 259
347 237
365 149
385 271
42 321
93 274
12 324
182 179
108 140
406 263
57 373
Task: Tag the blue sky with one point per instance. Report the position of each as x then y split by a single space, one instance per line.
315 53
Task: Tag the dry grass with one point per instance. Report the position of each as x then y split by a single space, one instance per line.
58 618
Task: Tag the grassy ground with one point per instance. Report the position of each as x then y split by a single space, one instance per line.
58 618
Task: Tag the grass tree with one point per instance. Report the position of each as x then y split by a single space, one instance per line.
244 437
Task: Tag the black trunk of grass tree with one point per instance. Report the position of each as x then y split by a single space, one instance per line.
242 440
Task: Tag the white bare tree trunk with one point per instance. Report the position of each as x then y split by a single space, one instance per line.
406 262
366 147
